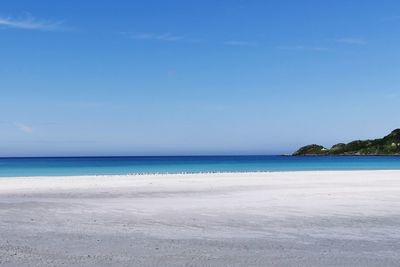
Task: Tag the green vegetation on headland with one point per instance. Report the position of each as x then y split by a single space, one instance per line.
388 145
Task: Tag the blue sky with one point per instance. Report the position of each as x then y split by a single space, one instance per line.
195 77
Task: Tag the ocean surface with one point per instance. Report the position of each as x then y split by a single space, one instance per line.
180 164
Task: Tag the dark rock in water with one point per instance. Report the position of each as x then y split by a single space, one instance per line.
388 145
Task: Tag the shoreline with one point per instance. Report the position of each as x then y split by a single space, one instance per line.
198 173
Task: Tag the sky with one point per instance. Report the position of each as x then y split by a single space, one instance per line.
186 77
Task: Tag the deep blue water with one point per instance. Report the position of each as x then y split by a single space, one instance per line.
175 164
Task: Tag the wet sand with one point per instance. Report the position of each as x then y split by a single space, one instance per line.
343 218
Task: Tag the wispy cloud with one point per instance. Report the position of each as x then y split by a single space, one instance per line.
240 43
304 48
169 37
160 37
29 23
165 37
85 104
351 41
23 127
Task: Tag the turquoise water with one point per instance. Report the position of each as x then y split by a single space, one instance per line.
129 165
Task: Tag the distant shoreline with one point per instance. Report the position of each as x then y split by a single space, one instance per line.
388 145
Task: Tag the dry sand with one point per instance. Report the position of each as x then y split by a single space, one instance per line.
349 218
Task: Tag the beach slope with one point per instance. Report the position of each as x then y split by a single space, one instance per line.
330 218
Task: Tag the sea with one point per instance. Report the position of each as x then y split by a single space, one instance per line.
75 166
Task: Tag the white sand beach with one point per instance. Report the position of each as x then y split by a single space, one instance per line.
329 218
